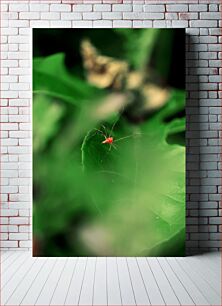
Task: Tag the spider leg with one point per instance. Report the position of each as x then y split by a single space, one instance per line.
126 137
100 132
114 146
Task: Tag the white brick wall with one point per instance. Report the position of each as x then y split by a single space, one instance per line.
203 81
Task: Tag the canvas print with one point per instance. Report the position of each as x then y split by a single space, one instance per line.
108 142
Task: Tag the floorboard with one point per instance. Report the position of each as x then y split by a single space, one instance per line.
27 280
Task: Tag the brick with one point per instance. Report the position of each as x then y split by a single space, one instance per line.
83 8
39 7
51 16
198 8
29 15
210 16
19 220
9 212
203 23
60 24
18 7
154 8
25 244
133 15
112 15
92 16
8 244
180 23
137 8
71 16
102 7
177 8
82 24
18 236
122 7
60 7
122 23
102 23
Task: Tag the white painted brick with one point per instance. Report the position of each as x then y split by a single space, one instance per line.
137 8
18 236
171 16
9 126
162 23
198 8
24 212
187 16
4 236
122 23
4 181
18 23
9 94
9 173
19 71
19 181
13 47
4 7
19 102
25 31
213 7
9 212
83 8
50 16
203 23
102 24
138 24
29 15
9 31
207 15
177 8
60 8
60 24
19 220
82 24
22 7
8 244
92 16
102 7
39 24
18 149
179 23
4 220
71 16
39 7
122 8
24 157
17 39
4 71
133 15
25 244
18 118
154 8
9 142
112 15
24 229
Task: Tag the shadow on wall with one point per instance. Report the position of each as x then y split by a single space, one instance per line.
196 226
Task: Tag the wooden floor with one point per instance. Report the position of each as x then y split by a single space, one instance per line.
110 281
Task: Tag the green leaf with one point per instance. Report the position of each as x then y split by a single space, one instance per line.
139 45
143 189
46 120
51 77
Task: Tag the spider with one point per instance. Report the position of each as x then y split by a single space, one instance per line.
109 139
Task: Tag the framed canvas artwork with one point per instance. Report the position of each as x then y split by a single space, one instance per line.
108 142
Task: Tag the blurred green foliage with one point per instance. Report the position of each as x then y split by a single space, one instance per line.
91 199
